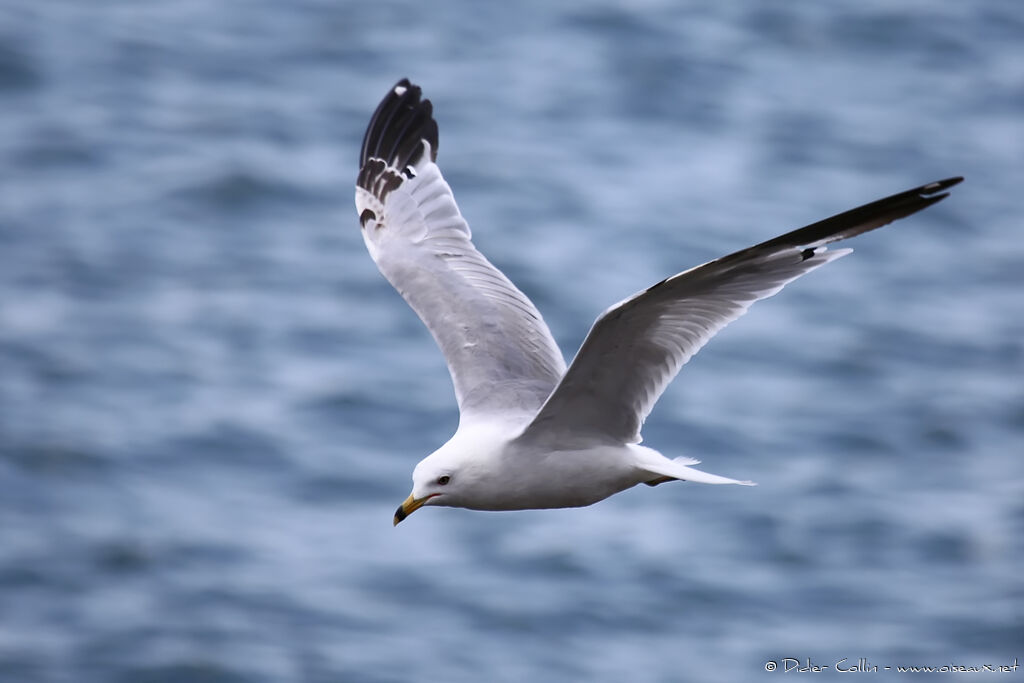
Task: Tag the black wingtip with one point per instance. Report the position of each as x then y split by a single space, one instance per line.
928 192
398 127
939 185
867 217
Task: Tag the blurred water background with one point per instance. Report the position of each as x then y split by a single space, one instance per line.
211 402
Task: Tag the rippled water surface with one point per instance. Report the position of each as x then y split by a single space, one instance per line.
211 402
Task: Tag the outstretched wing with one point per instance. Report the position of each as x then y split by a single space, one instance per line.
500 353
638 346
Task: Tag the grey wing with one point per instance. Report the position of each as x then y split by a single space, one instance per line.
500 353
638 346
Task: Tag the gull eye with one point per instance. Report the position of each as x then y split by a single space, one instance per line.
444 479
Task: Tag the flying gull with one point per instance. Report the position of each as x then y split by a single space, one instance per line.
533 433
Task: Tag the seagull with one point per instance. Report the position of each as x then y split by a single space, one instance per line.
533 433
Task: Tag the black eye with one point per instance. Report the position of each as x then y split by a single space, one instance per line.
443 479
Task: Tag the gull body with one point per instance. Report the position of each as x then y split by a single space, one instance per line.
489 468
533 432
487 473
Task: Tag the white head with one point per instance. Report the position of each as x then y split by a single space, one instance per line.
449 476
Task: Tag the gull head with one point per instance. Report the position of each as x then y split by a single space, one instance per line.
445 477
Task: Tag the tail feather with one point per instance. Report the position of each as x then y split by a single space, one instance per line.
679 468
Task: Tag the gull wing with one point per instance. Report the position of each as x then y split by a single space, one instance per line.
500 353
637 347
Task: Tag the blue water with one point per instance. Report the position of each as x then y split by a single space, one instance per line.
211 402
